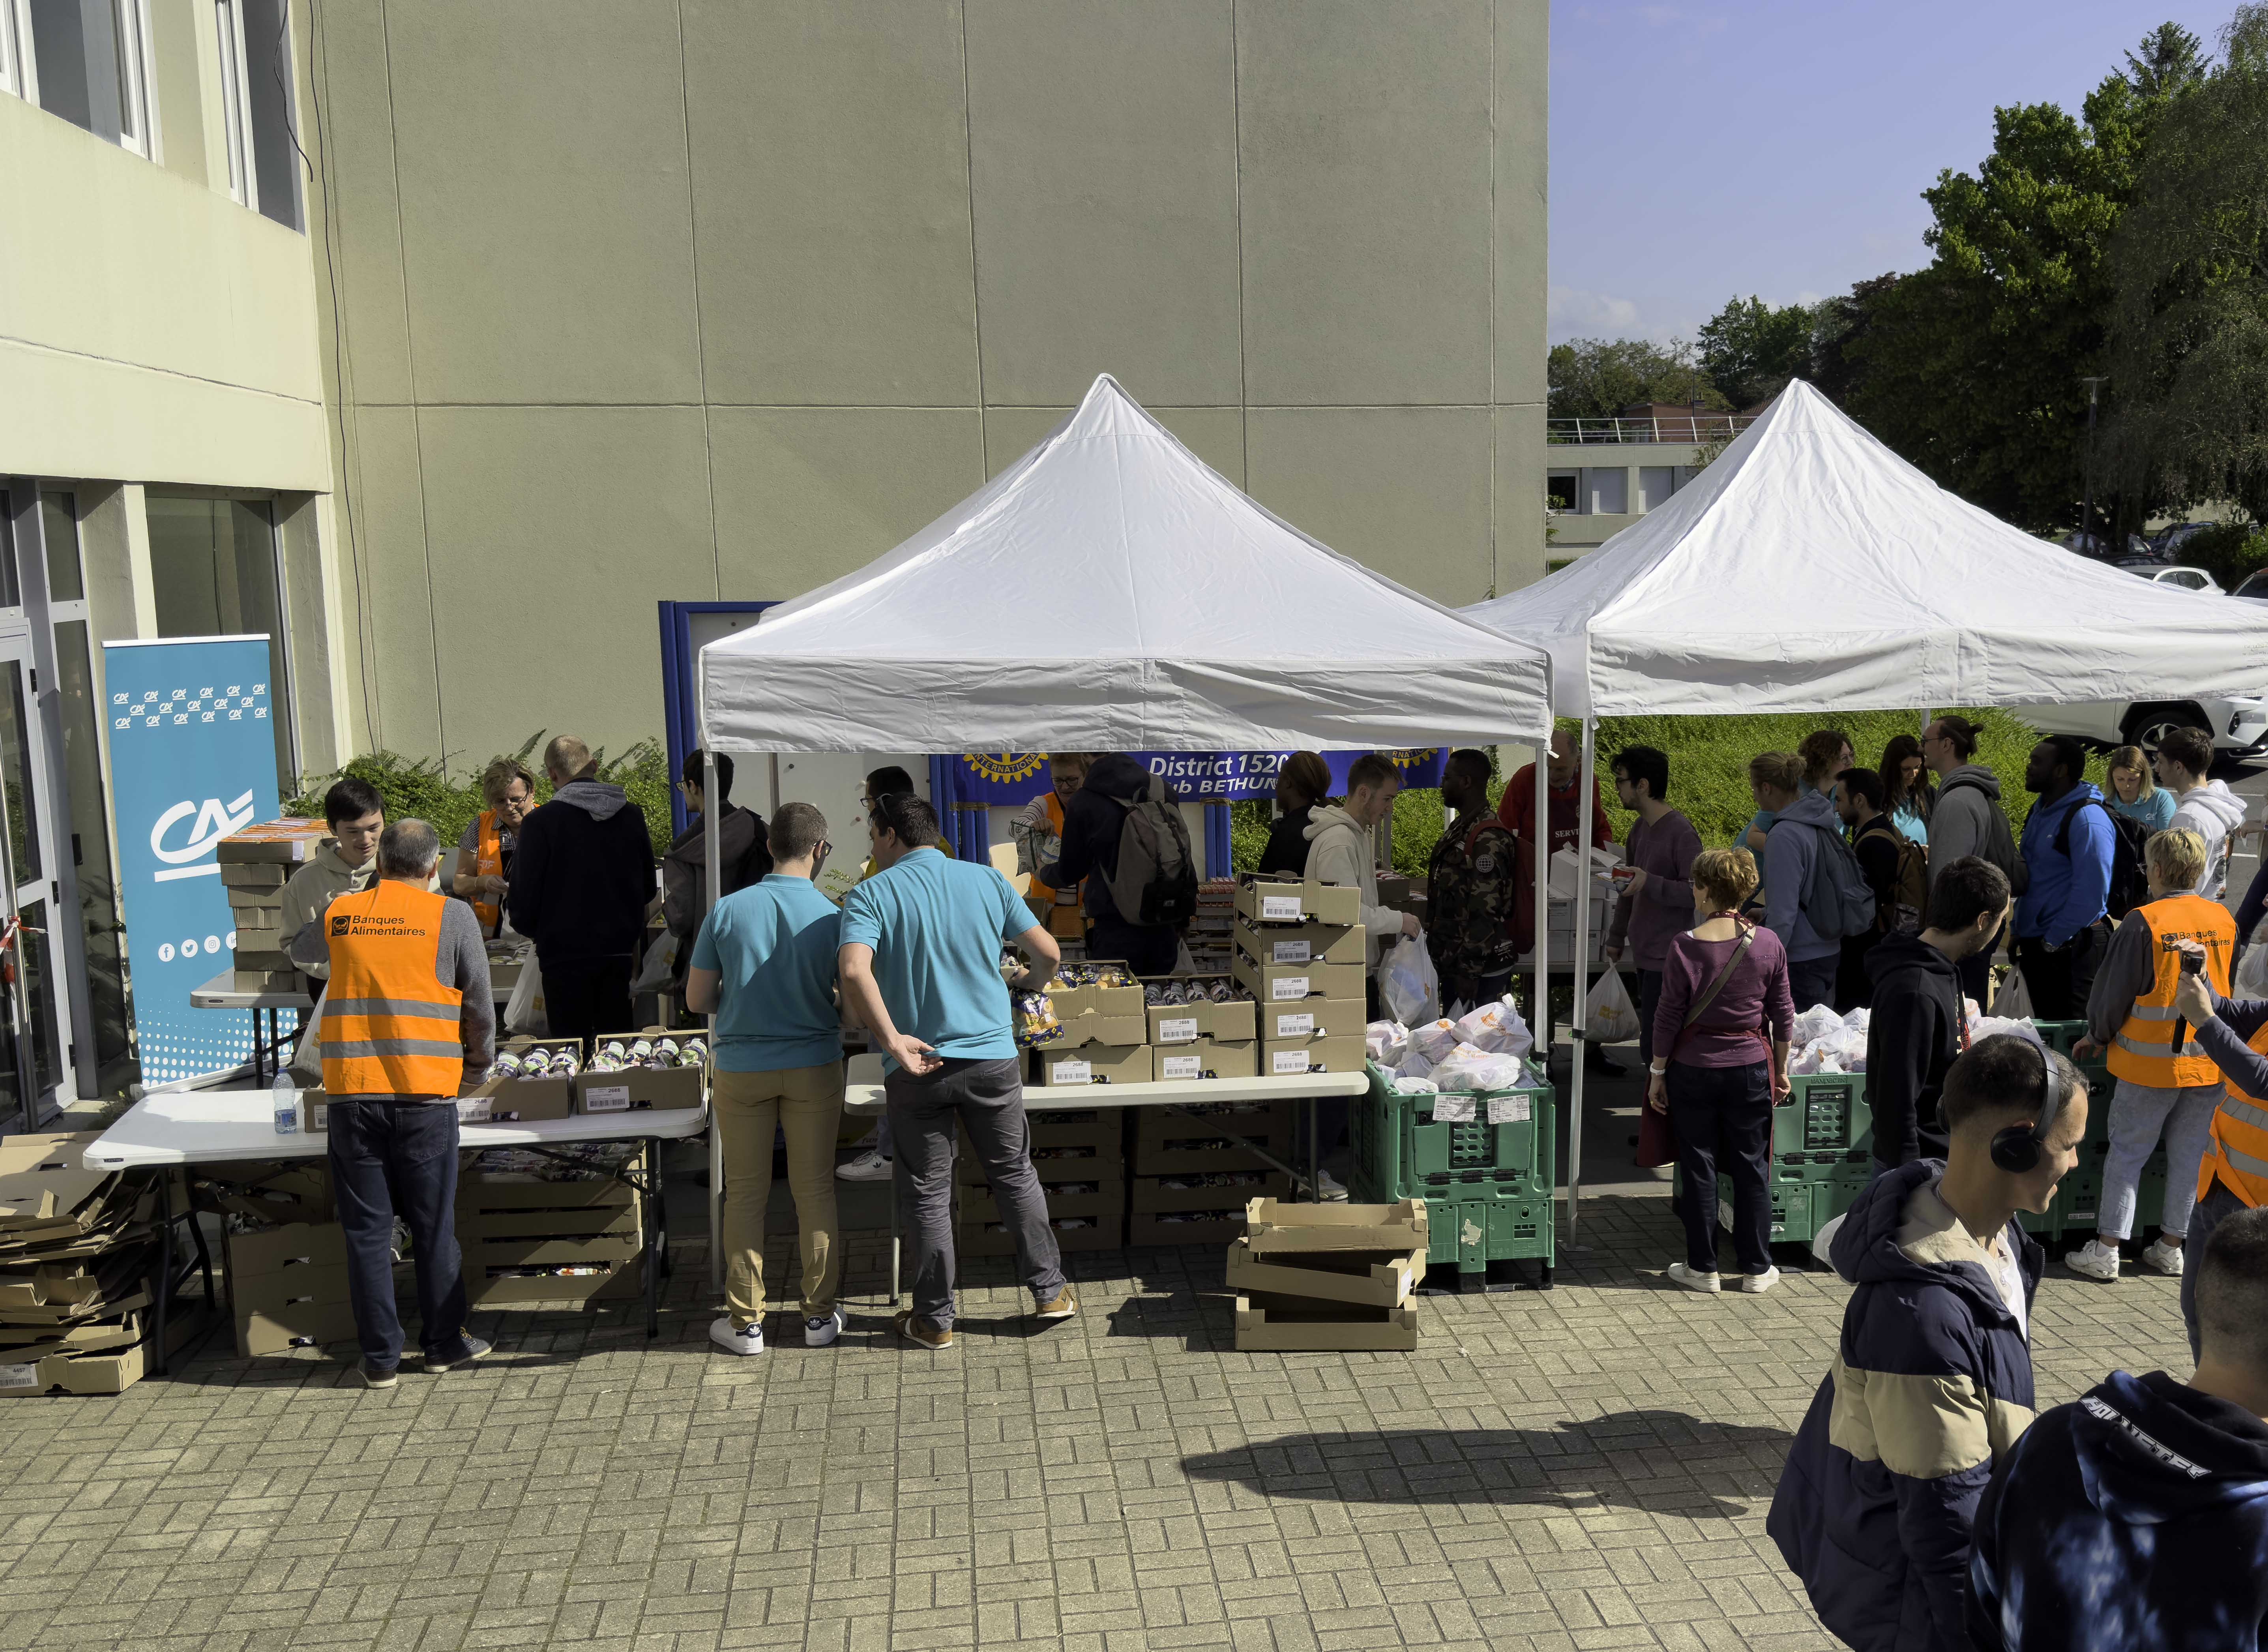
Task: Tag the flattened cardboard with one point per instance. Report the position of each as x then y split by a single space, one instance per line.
1060 1065
1302 943
44 1185
1311 1019
1296 901
1279 1324
1276 984
1311 1055
1358 1277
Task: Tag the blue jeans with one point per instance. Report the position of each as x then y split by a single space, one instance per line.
399 1158
1722 1117
2139 1114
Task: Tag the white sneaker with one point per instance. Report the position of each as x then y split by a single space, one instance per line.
1328 1186
2163 1258
730 1337
818 1332
1757 1284
1692 1281
869 1166
2093 1260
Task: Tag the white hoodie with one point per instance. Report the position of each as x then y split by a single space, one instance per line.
1338 851
2212 811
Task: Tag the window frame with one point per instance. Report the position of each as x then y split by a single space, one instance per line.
236 104
18 72
135 50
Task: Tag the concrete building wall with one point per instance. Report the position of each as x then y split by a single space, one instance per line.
634 300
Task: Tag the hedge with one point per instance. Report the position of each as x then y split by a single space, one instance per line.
420 789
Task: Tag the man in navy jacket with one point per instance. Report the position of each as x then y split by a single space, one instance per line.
1933 1380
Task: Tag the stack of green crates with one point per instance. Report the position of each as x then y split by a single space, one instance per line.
1488 1188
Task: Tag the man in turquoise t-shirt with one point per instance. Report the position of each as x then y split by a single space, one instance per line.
764 961
921 970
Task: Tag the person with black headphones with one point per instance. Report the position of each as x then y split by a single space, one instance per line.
1932 1380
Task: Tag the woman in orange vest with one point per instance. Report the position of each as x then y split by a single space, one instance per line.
1038 843
483 853
2131 1014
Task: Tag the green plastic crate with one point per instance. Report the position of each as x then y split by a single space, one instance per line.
1800 1205
1402 1151
2061 1036
1473 1228
1825 1113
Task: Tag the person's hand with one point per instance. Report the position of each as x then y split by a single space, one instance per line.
1612 955
1410 925
2086 1049
2194 999
1657 1092
1782 1087
1636 882
914 1056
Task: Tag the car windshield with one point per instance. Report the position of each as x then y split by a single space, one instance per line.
2255 586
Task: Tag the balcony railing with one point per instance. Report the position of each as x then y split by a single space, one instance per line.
1680 427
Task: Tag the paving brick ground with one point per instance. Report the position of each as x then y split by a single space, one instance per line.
1584 1467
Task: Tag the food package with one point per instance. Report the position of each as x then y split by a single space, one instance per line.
1497 1026
1813 1024
1468 1067
1981 1027
1386 1041
1414 1066
1035 1020
1433 1040
1415 1086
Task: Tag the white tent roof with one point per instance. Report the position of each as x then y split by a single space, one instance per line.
1107 592
1811 568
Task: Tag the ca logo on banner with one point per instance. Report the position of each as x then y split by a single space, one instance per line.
214 822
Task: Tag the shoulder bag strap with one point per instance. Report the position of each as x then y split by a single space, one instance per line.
1709 996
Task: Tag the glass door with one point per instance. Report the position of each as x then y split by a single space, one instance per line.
36 1013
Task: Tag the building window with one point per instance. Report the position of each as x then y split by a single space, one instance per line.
15 32
1655 484
257 107
90 63
1563 492
216 571
1607 492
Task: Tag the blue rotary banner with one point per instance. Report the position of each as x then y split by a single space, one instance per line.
191 759
1004 778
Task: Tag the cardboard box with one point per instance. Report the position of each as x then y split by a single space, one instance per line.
478 1191
974 1238
597 1279
1296 901
1273 1228
1287 1324
1291 1058
254 957
295 1307
1122 1030
638 1089
1207 1059
301 1246
254 875
1182 1228
266 1190
1310 1018
1206 1190
1288 982
278 981
1186 1023
516 1101
1070 1002
1067 1192
260 926
288 840
1302 943
29 1372
1172 1144
1093 1142
1363 1278
1060 1065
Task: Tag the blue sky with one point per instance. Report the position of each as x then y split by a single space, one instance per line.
1702 149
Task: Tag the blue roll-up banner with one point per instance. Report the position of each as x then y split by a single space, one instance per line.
1004 778
191 759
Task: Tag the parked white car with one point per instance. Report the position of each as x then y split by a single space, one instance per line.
2188 579
2239 726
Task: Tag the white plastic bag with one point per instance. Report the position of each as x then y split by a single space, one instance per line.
2252 969
1407 983
1499 1028
1415 1086
1609 1015
1990 1026
1471 1068
1385 1041
1414 1066
1813 1024
2013 1001
659 967
523 1013
1433 1040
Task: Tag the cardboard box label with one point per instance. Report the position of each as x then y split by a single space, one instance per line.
1281 909
1290 952
1509 1110
1179 1031
1299 1026
1285 986
1071 1072
606 1098
1171 1067
474 1110
1288 1061
20 1375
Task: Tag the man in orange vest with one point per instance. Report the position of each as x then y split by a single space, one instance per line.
2233 1175
2131 1014
408 1019
1038 843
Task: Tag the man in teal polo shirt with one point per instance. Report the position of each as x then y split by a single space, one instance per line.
764 961
920 964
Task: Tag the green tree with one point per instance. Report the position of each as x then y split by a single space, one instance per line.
1750 349
1839 327
2189 355
1596 378
1971 366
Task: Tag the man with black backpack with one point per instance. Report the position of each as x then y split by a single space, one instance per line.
1124 837
1967 820
1894 870
2068 848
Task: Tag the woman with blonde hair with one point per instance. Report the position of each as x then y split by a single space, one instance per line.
2132 791
1720 1035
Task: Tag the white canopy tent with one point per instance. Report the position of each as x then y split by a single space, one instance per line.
1109 591
1811 568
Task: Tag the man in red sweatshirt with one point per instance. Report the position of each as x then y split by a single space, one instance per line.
1516 808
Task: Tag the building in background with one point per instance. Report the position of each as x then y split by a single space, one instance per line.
1602 474
441 341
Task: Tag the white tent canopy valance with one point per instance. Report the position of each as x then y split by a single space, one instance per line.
1107 592
1811 568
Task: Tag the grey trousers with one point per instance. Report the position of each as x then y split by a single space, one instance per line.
2218 1203
987 1098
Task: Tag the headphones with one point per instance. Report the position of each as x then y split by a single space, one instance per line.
2017 1148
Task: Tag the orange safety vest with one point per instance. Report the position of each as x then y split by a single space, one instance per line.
2142 1052
2237 1154
1066 913
488 862
390 1027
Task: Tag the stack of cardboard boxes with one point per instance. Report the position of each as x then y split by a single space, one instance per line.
1082 1171
286 1256
77 1268
1194 1171
1105 1037
1210 947
255 864
1328 1278
1203 1040
1300 953
534 1228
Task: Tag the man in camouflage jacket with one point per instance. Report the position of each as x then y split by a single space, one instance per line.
1469 890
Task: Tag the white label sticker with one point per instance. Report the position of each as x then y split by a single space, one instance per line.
1282 1061
1509 1110
1290 952
1285 986
1299 1026
1453 1109
1170 1067
474 1109
1071 1072
1284 909
20 1375
606 1098
1179 1032
319 1118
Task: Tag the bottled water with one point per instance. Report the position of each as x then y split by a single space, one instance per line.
286 1095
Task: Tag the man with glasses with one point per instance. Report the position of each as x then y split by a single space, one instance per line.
484 852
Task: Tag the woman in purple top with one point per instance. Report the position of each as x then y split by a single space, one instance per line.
1718 1079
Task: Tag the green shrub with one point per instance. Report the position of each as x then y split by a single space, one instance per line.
419 788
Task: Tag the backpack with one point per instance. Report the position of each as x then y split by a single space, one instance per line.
2129 879
1909 886
1155 884
1999 842
1837 900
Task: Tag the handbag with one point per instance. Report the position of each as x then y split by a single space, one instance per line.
1657 1144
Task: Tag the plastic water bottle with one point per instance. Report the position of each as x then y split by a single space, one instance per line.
286 1095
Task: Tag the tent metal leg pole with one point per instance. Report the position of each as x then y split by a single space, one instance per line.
1540 1013
1582 976
712 848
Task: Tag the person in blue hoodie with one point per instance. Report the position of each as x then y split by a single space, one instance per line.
2138 1517
1931 1382
1798 802
2068 842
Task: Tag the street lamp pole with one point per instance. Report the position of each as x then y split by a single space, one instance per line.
2087 510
